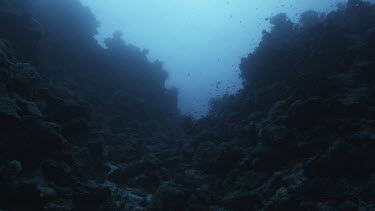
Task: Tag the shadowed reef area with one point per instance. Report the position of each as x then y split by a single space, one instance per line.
83 127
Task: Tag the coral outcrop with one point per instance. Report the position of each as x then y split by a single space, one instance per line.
299 135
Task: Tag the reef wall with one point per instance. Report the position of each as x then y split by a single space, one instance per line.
90 128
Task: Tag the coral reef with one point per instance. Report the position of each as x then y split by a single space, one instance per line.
83 127
300 135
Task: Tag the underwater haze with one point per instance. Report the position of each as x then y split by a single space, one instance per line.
201 43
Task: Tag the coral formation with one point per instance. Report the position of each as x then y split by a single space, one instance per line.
86 127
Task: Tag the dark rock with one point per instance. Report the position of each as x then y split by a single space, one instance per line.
28 193
344 160
171 197
347 206
33 193
47 193
242 201
14 26
3 90
75 117
47 135
189 178
275 134
29 107
148 168
57 172
8 110
96 150
205 154
90 197
11 169
25 78
199 201
226 160
307 113
147 182
266 158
